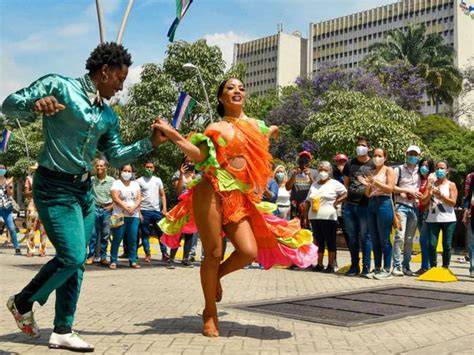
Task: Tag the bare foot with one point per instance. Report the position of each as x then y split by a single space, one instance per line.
210 324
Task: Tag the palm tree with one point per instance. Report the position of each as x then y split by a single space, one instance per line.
427 52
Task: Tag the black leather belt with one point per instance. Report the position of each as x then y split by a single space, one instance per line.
64 176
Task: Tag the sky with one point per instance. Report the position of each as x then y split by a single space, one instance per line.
38 37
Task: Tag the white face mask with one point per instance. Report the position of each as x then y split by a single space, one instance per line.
378 161
361 150
126 175
323 175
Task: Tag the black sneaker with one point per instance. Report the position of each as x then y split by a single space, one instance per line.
192 259
18 251
187 263
170 264
317 268
353 271
329 270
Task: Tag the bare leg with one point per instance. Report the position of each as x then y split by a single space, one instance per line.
243 239
208 216
332 258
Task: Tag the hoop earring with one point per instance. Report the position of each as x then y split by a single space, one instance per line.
105 78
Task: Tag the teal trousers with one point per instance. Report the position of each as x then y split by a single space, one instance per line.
67 210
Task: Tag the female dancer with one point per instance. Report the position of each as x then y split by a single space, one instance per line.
233 154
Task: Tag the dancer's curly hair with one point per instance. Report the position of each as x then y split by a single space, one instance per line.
110 53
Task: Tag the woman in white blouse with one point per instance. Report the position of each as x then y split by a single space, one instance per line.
127 199
323 197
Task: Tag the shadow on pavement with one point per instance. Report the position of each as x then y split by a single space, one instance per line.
166 326
193 324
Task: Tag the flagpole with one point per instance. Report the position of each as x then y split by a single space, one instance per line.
124 21
24 138
101 21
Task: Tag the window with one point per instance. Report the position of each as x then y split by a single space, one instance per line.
355 40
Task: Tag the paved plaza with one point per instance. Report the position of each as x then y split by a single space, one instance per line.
156 311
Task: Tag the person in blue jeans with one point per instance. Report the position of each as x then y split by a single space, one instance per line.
6 206
101 185
468 219
426 170
127 199
379 187
407 194
355 209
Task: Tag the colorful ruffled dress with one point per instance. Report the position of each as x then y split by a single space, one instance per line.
279 241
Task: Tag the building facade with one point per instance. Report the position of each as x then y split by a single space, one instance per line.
345 40
273 61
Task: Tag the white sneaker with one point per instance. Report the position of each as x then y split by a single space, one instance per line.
397 271
25 322
70 341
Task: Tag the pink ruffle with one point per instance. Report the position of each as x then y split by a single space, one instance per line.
269 257
274 220
302 257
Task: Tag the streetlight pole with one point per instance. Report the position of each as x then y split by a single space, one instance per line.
192 66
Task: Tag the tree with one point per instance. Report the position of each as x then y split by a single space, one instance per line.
344 115
427 52
449 141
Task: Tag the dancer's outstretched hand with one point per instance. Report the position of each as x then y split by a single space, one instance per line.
48 105
166 129
158 137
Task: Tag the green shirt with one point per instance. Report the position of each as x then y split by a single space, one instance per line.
101 189
72 136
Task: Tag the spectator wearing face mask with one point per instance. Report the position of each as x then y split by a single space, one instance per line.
283 199
427 177
407 193
323 197
340 161
355 208
127 198
379 188
299 182
468 218
153 208
442 195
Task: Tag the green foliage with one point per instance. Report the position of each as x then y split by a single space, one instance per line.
260 106
15 158
449 141
344 115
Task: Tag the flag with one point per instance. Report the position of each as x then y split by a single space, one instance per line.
6 135
184 108
181 7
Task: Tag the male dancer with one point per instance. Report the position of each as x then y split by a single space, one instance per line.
76 123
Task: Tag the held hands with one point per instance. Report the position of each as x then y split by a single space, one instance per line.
165 129
48 106
158 136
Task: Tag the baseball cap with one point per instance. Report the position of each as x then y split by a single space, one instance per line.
341 156
305 153
414 148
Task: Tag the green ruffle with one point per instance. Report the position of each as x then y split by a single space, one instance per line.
227 182
172 227
211 160
263 127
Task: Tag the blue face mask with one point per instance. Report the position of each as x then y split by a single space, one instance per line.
3 172
440 173
412 160
424 170
280 176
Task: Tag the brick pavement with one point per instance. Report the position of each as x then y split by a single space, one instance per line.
155 311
